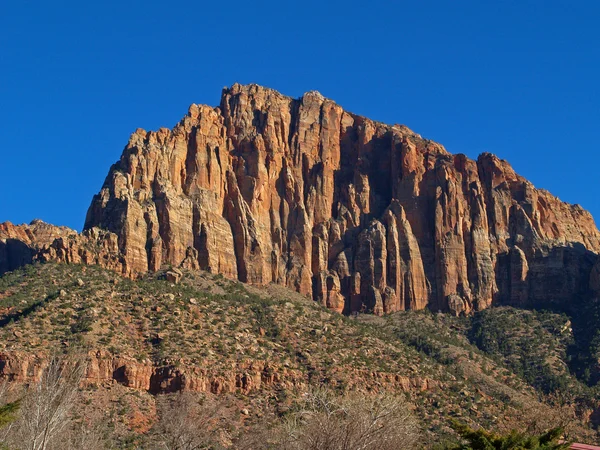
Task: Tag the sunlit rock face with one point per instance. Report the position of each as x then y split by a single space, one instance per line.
360 215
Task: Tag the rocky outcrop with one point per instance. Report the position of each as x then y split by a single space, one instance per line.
93 246
39 241
360 215
19 244
244 377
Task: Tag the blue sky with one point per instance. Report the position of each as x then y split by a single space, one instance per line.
516 78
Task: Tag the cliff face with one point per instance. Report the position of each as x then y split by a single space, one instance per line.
358 214
20 244
244 377
40 241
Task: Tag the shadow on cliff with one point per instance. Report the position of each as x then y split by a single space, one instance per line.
554 278
372 164
558 280
14 254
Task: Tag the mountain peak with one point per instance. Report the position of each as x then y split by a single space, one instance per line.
357 214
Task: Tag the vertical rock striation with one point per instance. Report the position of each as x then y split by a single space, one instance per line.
360 215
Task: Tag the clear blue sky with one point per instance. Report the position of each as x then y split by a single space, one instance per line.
516 78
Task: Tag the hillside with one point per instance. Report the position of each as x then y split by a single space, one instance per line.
258 349
271 250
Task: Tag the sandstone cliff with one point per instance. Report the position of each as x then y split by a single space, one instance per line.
360 215
245 377
40 241
20 244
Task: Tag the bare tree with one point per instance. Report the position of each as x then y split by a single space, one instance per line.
351 422
186 422
3 391
83 436
46 407
536 418
8 412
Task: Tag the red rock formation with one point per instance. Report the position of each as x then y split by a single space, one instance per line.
37 233
244 377
362 215
93 246
39 241
19 244
358 214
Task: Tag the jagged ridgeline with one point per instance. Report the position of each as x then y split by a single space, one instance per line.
360 215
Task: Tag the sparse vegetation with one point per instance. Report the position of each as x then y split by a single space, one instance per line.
186 422
42 418
262 349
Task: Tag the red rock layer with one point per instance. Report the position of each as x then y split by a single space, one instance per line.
39 241
245 377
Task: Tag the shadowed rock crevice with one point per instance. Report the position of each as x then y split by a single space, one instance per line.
14 254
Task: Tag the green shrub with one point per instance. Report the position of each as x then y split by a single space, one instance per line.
8 413
485 440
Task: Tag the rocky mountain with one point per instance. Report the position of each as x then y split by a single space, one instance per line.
360 215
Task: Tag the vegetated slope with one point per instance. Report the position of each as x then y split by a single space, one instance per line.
259 348
536 346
